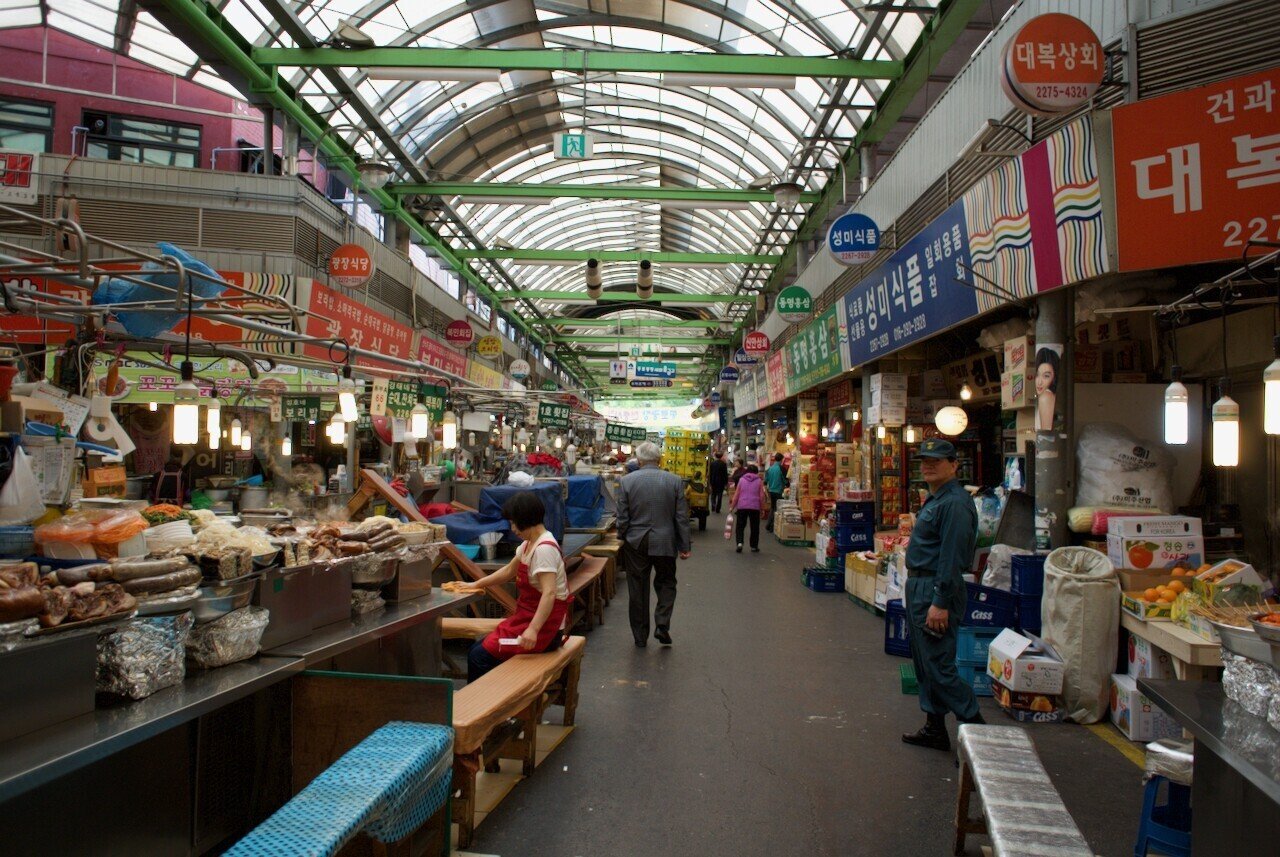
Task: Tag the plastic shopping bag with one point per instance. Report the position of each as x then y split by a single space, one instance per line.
20 499
728 526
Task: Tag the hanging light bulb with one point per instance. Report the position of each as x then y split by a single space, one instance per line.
826 432
791 440
449 434
524 447
559 442
626 449
186 408
880 432
835 427
522 436
236 430
286 446
215 440
1226 428
419 422
965 393
855 415
951 420
213 417
347 396
338 429
1175 410
910 435
1271 392
152 406
246 442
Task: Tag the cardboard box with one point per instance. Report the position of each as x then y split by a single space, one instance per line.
1018 353
1154 526
1230 581
1155 541
856 564
889 381
889 399
1025 663
1088 364
1135 715
1147 661
1039 702
106 481
865 589
1133 579
1135 603
1015 390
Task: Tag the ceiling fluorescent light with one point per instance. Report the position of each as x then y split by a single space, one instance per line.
444 75
692 204
506 200
733 81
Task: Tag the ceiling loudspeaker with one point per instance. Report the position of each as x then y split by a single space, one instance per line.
349 35
595 285
644 281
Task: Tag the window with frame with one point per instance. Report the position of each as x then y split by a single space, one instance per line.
26 125
142 141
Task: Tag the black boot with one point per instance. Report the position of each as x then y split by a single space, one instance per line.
932 735
976 719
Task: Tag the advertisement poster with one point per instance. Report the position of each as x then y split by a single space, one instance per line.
1048 368
336 316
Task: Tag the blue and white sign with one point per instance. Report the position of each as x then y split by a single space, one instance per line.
913 295
853 239
642 383
729 375
742 358
715 397
655 369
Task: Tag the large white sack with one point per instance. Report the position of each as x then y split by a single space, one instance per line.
1080 615
1119 469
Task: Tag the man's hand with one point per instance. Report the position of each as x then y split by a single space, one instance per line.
937 619
686 554
528 639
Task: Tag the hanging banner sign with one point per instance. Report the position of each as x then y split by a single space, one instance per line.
336 316
489 346
777 374
549 386
742 358
440 356
853 239
378 397
617 370
813 355
794 304
19 175
483 376
300 409
729 375
433 396
756 343
1052 65
350 266
401 397
645 383
519 369
840 395
624 434
553 415
1198 173
459 333
981 372
655 370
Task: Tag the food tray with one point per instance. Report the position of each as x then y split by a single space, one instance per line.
214 602
1243 642
83 623
1270 633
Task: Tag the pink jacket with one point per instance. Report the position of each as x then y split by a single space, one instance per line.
750 492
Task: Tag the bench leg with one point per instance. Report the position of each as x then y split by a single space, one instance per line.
464 802
570 693
964 824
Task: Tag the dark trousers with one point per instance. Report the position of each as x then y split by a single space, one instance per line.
941 688
773 504
745 515
479 661
638 564
717 495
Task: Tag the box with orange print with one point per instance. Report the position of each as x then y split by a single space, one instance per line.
1156 541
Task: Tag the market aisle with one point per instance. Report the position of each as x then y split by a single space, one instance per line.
770 727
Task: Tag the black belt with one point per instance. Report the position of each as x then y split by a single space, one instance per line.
921 572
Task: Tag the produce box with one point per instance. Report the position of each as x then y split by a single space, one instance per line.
1136 716
1147 661
1137 604
787 531
1148 578
1231 581
1025 663
858 564
1043 703
107 481
1155 542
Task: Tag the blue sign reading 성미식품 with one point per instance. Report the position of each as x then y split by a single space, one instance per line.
853 238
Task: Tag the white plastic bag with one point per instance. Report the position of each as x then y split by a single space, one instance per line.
520 479
1081 618
999 571
1119 469
20 498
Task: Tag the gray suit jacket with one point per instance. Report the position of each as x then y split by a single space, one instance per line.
651 502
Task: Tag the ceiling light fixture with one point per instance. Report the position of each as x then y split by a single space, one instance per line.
1176 412
595 285
786 194
644 280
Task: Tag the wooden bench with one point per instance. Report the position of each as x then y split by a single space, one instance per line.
609 581
585 585
496 717
1022 811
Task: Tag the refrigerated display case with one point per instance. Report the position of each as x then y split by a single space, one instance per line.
888 477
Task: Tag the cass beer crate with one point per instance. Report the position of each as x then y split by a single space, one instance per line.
821 579
987 607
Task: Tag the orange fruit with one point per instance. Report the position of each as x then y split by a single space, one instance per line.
1177 586
1179 571
1151 595
1167 598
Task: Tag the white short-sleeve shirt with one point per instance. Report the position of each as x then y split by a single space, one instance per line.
544 558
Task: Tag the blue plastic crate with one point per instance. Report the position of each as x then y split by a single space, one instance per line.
987 607
1028 574
17 542
896 630
972 644
823 579
854 536
1028 617
976 678
855 513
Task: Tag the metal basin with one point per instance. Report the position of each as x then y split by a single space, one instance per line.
217 601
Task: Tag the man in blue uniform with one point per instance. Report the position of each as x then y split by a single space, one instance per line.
941 550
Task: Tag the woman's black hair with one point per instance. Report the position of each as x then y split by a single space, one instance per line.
1048 355
751 468
525 510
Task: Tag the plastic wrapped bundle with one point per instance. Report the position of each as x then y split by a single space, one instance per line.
1170 758
144 656
1248 683
366 601
1273 710
230 638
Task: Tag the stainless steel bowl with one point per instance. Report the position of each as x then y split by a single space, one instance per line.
265 560
1244 642
218 600
1270 633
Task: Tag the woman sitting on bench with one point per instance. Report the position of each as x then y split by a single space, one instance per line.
543 603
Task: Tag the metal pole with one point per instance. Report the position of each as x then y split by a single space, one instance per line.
1054 479
268 141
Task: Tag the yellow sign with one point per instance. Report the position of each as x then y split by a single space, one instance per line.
489 346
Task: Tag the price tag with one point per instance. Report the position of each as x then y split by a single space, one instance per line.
378 401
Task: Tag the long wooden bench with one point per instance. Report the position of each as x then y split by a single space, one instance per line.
496 717
1022 811
609 581
585 584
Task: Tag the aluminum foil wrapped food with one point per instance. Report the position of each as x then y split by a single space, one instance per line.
1273 710
1170 758
366 601
1249 683
13 634
230 638
1247 733
143 656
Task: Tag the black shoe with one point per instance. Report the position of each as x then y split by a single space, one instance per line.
755 550
640 644
926 737
739 549
977 720
663 636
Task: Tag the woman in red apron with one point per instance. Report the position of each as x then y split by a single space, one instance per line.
542 607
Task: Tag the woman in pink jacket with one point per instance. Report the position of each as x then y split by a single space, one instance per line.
749 502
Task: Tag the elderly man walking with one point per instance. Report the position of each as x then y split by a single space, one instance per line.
653 525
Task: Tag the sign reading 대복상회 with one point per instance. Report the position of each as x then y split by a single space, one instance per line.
1053 64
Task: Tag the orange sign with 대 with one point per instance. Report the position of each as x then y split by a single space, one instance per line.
1053 64
350 266
1198 173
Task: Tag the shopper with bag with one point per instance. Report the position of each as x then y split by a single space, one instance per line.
749 502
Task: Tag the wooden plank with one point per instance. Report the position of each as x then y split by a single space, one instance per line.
373 485
1181 644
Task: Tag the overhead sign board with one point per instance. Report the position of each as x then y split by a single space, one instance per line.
19 174
853 239
617 370
1052 65
519 369
550 386
458 333
489 346
794 304
651 382
756 343
651 369
350 266
813 355
619 433
742 358
729 375
573 145
553 415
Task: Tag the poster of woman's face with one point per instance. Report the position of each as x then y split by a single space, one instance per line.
1048 368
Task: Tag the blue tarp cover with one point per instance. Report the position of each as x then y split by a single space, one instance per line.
465 528
585 505
115 290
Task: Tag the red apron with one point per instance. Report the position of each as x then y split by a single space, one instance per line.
526 606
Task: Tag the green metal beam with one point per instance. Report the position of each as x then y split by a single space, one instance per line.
533 255
670 358
607 297
589 191
602 339
614 323
578 61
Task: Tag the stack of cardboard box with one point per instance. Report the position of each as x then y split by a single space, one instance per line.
888 405
1135 715
1026 677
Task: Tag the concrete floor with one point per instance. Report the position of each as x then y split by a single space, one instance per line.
770 727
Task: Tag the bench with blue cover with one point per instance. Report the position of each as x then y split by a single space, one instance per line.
387 786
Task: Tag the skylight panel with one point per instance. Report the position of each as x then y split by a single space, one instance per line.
19 13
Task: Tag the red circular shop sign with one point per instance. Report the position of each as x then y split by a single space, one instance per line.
756 342
350 266
1052 65
459 333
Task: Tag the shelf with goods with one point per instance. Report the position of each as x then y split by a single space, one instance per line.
969 460
887 477
684 453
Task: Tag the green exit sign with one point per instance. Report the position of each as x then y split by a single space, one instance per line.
575 146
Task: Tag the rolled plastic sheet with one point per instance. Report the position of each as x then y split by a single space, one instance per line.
1170 758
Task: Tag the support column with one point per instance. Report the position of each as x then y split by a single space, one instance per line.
1055 480
403 236
289 148
268 141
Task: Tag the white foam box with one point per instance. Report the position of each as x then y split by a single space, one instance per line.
1155 541
1148 661
1137 717
889 381
1025 663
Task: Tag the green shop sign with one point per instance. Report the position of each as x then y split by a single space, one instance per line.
401 397
433 397
794 304
813 356
624 434
300 409
553 415
550 386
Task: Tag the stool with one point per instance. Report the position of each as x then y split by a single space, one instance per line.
1166 826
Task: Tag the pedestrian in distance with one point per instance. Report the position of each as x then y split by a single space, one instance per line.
748 503
775 481
717 480
940 552
653 525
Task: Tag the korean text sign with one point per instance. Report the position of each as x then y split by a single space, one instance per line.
813 355
553 415
1198 173
336 316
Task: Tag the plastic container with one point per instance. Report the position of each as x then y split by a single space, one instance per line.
469 551
855 513
972 644
1028 615
896 630
1028 574
976 678
987 607
821 579
17 542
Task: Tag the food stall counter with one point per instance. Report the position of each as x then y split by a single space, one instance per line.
1194 657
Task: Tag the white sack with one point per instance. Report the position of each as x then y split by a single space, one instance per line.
1119 469
1081 619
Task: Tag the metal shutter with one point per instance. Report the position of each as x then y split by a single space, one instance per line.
140 222
1192 50
246 230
